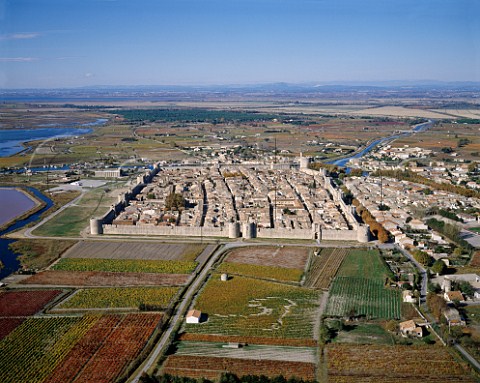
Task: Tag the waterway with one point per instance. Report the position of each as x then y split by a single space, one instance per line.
417 128
13 204
12 140
7 257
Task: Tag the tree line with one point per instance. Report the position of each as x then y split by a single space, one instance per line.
192 115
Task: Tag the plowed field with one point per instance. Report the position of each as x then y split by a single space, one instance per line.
93 279
289 257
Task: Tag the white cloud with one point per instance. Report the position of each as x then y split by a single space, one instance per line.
20 36
68 57
89 75
17 59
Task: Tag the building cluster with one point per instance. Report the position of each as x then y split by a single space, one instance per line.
456 172
391 153
393 204
217 195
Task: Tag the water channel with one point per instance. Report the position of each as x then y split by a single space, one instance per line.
7 257
416 129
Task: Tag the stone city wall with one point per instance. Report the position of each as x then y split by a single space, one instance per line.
339 235
285 233
185 231
103 225
181 231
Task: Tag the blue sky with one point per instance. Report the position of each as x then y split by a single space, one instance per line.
70 43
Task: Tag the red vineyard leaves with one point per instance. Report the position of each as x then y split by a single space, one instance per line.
25 303
207 367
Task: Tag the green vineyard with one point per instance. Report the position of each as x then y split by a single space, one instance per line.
359 289
125 265
120 297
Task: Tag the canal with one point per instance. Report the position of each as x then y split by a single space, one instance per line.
416 129
9 259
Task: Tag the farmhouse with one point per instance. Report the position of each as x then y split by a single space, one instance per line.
408 296
453 317
416 224
194 316
409 327
453 296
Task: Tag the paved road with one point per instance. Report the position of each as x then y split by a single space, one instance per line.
421 269
198 280
195 285
470 358
28 232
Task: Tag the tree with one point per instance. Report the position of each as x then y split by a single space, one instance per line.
472 167
391 326
145 378
228 378
336 325
422 257
458 252
436 304
174 201
466 288
326 334
439 267
447 149
463 142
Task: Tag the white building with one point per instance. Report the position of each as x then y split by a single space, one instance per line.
194 316
108 173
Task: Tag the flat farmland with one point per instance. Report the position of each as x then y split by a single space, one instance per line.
120 297
391 364
74 219
256 308
265 272
125 265
467 113
32 351
17 306
288 257
359 288
25 303
364 333
398 111
100 279
7 325
444 134
213 367
324 268
256 352
135 250
118 349
215 338
59 349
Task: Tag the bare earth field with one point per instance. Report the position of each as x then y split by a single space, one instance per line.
256 352
288 257
248 339
398 111
95 279
134 250
467 113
